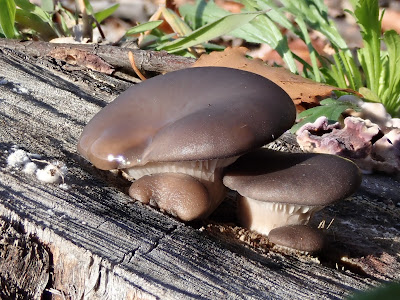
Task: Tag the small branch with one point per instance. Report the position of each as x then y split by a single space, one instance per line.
152 61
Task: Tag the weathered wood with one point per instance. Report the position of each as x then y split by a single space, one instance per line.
153 61
24 264
102 247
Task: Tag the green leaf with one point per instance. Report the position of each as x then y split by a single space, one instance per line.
29 7
261 30
330 108
143 27
66 19
313 56
369 95
201 13
26 6
47 5
388 291
315 14
177 24
391 94
7 18
275 13
30 21
88 7
367 15
212 30
102 15
344 71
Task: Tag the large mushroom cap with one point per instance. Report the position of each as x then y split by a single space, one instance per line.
192 114
297 178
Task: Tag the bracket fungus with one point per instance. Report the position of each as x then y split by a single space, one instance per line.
278 189
193 122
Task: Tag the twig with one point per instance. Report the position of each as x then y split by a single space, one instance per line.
133 64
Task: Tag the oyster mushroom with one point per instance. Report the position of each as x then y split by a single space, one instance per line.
277 189
193 122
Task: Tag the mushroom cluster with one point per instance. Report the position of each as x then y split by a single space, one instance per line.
174 136
280 191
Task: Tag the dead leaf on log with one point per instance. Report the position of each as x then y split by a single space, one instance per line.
82 58
305 93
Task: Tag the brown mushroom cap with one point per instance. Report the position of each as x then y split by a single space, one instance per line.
309 179
190 200
192 114
299 237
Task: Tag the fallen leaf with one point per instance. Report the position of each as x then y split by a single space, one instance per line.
82 58
390 20
304 92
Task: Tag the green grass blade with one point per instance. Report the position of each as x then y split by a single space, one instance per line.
46 17
315 14
143 27
212 30
260 30
27 6
367 15
175 21
7 18
311 50
201 13
105 13
28 20
275 13
47 5
351 74
392 41
338 70
264 30
89 8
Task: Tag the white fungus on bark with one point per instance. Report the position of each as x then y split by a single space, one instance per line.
30 168
18 158
28 163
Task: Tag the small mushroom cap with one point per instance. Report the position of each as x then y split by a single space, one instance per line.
299 237
189 201
310 179
191 114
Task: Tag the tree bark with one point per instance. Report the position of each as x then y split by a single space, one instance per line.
117 57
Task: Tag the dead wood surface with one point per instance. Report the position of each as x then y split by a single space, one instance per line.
102 247
153 61
24 264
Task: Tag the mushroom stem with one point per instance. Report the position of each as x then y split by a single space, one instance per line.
265 216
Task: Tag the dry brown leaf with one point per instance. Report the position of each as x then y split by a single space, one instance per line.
305 93
82 58
390 20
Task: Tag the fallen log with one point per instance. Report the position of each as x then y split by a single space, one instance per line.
101 245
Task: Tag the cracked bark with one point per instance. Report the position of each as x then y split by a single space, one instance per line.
24 264
91 228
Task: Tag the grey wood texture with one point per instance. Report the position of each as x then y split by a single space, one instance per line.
24 264
101 245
